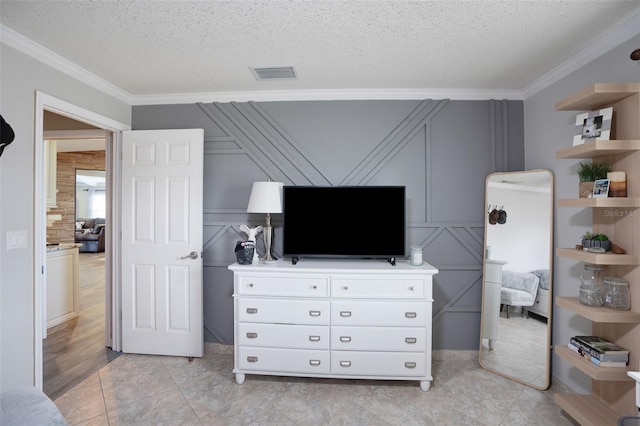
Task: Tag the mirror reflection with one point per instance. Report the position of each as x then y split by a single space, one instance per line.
516 307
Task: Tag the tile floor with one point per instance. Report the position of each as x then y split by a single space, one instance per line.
153 390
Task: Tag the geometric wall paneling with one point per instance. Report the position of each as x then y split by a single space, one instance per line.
341 135
457 296
440 150
219 243
272 155
393 143
451 247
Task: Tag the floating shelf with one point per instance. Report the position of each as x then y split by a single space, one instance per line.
587 409
611 202
598 258
600 314
599 149
597 95
618 374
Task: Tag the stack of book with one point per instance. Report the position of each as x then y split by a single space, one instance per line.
600 351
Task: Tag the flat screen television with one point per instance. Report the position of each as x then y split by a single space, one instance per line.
344 222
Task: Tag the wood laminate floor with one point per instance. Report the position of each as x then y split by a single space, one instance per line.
74 350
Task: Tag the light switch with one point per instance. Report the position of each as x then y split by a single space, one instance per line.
16 240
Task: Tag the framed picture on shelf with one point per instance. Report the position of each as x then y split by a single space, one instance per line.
601 188
593 126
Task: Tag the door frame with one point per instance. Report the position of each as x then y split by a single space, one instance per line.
113 149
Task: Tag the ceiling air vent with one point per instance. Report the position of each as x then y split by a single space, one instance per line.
274 73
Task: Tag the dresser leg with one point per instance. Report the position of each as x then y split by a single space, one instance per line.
425 385
239 378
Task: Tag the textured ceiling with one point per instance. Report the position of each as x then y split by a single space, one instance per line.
178 47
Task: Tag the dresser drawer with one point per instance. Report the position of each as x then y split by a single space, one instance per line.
376 313
283 360
391 339
378 363
380 287
282 336
282 285
297 311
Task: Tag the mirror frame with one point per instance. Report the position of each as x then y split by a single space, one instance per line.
547 383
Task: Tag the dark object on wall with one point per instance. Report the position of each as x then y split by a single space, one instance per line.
502 217
6 135
635 55
494 215
244 252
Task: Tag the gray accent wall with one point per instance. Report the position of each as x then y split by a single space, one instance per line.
441 150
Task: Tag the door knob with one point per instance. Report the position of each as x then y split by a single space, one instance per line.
192 255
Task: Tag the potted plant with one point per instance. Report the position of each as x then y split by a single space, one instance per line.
588 173
596 240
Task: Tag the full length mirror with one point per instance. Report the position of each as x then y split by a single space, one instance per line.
516 294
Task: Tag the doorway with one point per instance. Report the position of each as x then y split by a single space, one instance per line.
76 345
111 133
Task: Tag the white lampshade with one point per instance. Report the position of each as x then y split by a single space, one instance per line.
266 197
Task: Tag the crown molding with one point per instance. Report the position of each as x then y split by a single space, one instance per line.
328 95
613 38
30 48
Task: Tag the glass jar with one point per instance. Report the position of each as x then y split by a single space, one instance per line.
592 285
617 294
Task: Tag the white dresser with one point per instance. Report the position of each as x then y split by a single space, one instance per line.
361 319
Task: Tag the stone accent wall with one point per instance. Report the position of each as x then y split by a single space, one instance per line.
62 230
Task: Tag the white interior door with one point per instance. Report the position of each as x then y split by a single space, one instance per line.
162 174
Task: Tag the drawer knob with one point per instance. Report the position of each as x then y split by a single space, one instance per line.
252 310
410 340
410 288
250 285
314 362
314 287
252 359
314 338
345 287
345 314
410 364
314 313
410 314
345 339
252 335
345 363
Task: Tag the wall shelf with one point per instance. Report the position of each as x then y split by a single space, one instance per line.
618 374
587 409
597 149
598 258
599 314
597 96
610 202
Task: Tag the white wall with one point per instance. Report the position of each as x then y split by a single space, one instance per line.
20 77
546 131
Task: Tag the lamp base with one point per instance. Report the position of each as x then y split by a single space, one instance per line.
268 261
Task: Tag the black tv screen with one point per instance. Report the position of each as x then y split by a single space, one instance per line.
344 221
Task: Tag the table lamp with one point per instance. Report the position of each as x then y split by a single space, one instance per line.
266 197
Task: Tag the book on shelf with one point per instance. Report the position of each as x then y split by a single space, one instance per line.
615 357
595 360
600 346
